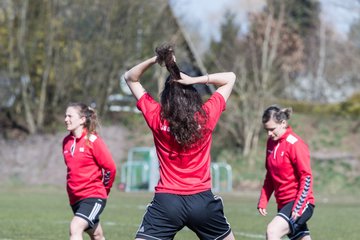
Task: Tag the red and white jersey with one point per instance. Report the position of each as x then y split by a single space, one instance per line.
288 174
90 167
182 172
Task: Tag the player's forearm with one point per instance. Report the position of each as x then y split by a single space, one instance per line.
222 78
134 74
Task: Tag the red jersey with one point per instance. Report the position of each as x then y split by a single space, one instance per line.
90 167
182 172
288 174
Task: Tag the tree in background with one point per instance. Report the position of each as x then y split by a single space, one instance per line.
303 18
272 62
332 76
354 34
23 35
354 45
343 72
57 51
269 56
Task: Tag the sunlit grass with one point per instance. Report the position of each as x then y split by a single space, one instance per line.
44 213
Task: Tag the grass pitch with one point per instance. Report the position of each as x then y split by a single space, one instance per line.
44 213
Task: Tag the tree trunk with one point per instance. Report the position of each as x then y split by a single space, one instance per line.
25 76
11 39
319 79
47 67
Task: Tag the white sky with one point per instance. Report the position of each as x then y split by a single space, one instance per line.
206 15
340 13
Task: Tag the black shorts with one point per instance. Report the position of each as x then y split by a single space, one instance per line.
298 229
89 209
169 213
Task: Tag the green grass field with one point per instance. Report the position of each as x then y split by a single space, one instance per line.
43 213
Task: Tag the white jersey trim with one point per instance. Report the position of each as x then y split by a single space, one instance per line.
291 139
92 138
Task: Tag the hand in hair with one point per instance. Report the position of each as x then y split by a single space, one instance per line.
185 79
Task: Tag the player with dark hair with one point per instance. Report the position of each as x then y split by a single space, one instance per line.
288 175
90 171
182 127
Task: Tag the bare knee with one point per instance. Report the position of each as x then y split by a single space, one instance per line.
96 233
77 227
272 233
75 231
97 236
277 228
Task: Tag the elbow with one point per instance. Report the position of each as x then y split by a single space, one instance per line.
232 77
128 77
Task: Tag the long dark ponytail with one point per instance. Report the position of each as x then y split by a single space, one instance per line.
181 104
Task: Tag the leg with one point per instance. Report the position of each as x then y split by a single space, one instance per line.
230 237
77 227
306 237
277 228
96 233
87 213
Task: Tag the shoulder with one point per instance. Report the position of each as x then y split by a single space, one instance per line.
148 106
295 142
146 98
93 137
292 139
145 101
94 141
216 100
217 96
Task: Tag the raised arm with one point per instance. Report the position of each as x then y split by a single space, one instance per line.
132 77
223 80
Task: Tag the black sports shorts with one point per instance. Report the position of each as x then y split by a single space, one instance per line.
89 209
298 229
169 213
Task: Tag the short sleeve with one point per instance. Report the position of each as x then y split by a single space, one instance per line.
213 107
